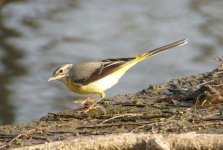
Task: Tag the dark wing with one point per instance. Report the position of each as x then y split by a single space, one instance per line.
86 73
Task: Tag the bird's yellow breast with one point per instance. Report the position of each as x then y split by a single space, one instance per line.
100 85
82 89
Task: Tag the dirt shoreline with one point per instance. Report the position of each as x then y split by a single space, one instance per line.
190 104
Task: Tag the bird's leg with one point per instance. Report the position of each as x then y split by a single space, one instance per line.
84 101
102 94
92 106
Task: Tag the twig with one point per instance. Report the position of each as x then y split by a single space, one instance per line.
140 127
27 133
204 83
120 116
66 116
10 142
217 85
213 119
3 136
135 105
110 125
182 89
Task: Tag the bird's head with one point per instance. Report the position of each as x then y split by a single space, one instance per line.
61 73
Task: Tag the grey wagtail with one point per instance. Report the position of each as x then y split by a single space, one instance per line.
95 77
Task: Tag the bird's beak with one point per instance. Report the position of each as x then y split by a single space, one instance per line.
52 78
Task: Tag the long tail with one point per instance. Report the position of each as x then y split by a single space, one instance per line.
139 58
160 49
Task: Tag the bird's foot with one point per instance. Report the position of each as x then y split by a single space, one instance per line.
84 101
92 106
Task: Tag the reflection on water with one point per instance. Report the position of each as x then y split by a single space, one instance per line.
39 35
9 70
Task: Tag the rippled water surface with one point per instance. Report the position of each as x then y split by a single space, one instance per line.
39 35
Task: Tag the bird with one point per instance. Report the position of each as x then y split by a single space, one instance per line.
95 77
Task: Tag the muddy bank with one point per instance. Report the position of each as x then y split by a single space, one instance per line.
190 104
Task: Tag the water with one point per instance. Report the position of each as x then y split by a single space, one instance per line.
39 35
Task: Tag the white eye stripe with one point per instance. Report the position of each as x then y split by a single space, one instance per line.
63 68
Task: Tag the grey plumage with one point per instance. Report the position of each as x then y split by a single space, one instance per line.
88 72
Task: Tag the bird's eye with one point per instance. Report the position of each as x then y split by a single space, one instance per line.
60 71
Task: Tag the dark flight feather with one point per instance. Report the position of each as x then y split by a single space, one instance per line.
107 66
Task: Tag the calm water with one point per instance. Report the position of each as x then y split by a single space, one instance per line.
39 35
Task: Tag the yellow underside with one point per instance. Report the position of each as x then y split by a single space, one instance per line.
99 86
